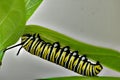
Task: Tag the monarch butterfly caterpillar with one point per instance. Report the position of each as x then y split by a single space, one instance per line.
61 56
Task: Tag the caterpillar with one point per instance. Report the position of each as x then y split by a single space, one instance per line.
60 55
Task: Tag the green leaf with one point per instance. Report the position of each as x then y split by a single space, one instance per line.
107 57
12 21
1 56
83 78
31 6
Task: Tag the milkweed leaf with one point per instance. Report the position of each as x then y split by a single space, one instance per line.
83 78
1 56
107 57
31 6
12 21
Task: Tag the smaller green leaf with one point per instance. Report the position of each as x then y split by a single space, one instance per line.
1 56
83 78
31 6
107 57
12 21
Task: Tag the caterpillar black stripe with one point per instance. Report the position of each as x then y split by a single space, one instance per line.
61 56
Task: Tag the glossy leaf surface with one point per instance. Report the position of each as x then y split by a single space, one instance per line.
31 6
1 56
107 57
83 78
12 21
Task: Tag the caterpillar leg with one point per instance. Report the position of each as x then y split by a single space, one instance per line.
19 51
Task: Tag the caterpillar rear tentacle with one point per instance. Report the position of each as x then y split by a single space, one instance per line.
61 56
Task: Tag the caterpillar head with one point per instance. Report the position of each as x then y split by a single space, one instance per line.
29 36
25 37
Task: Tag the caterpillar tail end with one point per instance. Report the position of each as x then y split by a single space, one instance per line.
98 67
